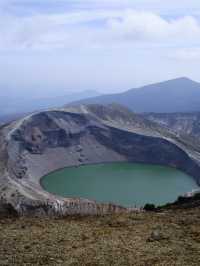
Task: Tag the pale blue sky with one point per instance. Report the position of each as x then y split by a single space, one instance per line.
50 46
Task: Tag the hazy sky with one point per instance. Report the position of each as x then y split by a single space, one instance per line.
51 46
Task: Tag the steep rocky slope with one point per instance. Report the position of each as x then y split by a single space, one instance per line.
185 125
46 141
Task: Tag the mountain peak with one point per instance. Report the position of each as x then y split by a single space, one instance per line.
183 79
176 95
175 80
183 82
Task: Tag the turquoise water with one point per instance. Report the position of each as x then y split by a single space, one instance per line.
127 184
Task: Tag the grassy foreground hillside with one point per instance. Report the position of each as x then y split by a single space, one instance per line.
165 238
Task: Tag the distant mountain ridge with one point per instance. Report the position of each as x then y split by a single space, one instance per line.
177 95
13 107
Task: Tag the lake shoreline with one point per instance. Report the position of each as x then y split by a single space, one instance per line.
122 166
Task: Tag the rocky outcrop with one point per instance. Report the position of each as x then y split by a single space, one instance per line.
46 141
185 125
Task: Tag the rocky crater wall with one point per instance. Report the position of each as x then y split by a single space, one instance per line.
51 140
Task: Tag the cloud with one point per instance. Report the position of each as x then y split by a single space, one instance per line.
64 30
59 43
145 26
186 54
172 8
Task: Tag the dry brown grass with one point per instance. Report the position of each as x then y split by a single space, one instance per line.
110 240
